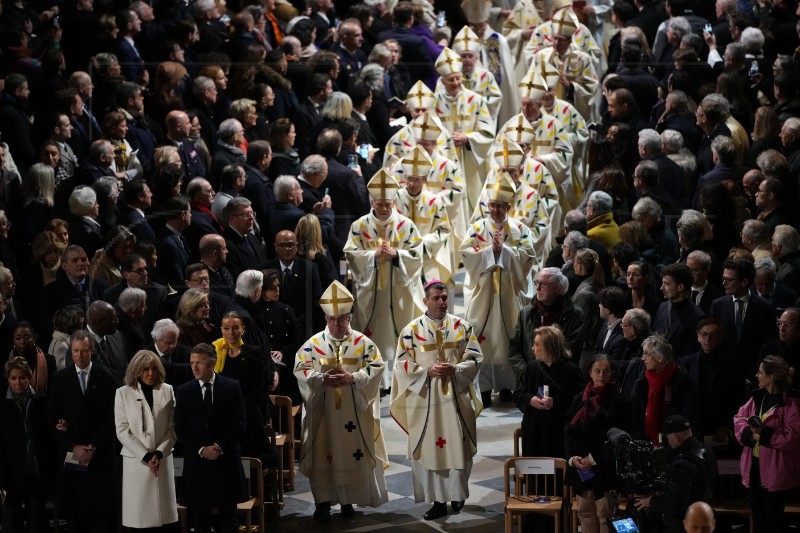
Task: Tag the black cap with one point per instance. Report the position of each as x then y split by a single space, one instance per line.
676 424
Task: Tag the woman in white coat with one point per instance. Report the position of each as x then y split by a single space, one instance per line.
143 414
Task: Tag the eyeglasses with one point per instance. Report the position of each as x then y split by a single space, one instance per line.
140 271
648 354
544 284
782 324
247 214
725 281
707 334
626 325
343 319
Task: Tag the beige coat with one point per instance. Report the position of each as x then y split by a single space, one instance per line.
147 501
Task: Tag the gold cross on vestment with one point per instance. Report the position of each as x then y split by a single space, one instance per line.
520 128
335 301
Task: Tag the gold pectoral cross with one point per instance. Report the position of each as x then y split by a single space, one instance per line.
337 391
383 265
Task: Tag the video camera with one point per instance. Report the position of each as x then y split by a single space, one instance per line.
641 467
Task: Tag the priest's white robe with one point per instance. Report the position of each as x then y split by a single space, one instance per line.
496 58
428 213
482 82
467 113
523 16
404 140
388 293
438 414
343 453
495 289
578 135
582 41
577 67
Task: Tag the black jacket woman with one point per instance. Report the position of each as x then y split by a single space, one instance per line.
592 413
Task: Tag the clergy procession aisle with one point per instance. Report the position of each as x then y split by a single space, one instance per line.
483 511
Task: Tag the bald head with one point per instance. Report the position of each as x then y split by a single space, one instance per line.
213 251
178 125
699 518
102 318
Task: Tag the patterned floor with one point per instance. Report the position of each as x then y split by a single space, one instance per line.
483 511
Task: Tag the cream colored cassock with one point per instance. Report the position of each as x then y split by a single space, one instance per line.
388 294
523 16
147 501
405 140
482 82
439 415
582 41
428 213
495 291
578 69
578 135
343 452
496 57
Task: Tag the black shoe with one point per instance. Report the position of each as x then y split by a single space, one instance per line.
486 398
457 506
505 395
347 510
437 511
323 513
385 392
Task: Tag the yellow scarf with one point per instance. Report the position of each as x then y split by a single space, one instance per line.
222 348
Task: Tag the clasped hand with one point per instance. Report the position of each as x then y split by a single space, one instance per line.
540 403
337 377
385 252
211 453
154 463
83 453
442 370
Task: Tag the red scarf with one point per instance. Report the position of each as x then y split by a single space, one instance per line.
592 400
208 212
656 411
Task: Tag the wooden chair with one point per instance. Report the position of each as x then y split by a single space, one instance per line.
254 473
518 442
729 497
283 424
275 476
527 478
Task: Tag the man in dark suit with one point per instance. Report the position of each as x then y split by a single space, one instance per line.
309 113
71 287
108 344
174 356
747 321
765 286
136 276
81 413
787 345
713 372
678 117
723 154
703 293
415 52
678 315
670 174
128 55
138 198
610 339
651 14
210 422
348 190
257 186
245 251
285 213
201 195
178 129
171 246
300 285
213 254
710 117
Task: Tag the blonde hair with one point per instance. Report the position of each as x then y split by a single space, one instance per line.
241 108
555 344
45 242
309 236
590 261
142 360
191 300
163 155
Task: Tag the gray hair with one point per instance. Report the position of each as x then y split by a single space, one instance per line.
228 128
679 25
672 141
284 185
201 6
787 238
766 265
162 327
752 39
575 220
5 275
736 52
312 165
702 257
235 204
660 346
600 202
771 162
639 320
249 282
106 186
201 84
646 207
575 240
195 187
723 146
650 141
716 103
371 75
557 276
691 227
379 51
131 298
756 230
